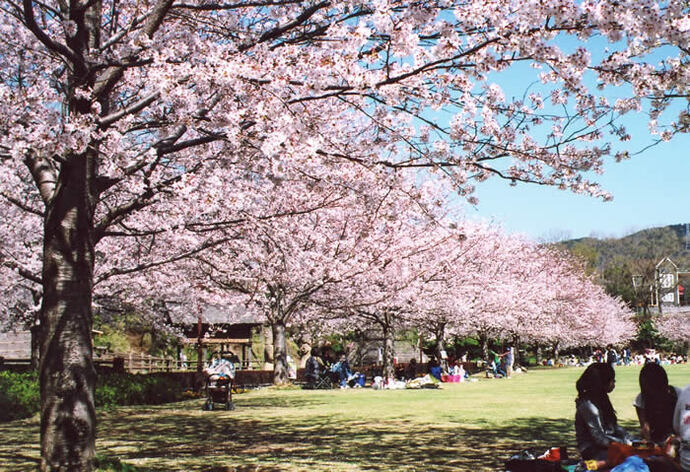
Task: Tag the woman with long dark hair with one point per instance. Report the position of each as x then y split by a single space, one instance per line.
655 403
596 424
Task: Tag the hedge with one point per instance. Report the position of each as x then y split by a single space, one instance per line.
20 396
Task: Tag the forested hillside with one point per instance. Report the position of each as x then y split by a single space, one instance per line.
616 261
652 243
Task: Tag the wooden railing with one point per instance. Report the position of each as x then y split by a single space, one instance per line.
14 362
129 362
135 362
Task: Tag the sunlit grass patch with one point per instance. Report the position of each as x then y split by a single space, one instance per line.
470 426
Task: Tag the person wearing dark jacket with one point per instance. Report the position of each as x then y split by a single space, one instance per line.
312 369
596 424
655 403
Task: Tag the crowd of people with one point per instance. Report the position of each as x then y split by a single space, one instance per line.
663 411
622 358
320 368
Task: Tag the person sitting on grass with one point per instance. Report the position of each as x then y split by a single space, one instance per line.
596 424
494 368
681 426
434 368
655 403
459 371
411 369
343 369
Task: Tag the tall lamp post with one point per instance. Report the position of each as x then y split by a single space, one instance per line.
637 283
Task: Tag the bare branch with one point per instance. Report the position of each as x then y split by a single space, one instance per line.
106 121
21 205
56 47
149 265
280 30
141 201
23 272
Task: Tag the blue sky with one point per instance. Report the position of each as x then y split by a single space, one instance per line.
651 189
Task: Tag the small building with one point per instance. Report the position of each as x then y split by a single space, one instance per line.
220 328
15 345
671 284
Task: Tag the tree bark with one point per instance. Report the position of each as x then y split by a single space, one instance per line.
268 347
35 347
387 370
280 366
440 334
484 343
67 374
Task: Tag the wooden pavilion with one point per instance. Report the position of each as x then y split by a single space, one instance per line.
219 328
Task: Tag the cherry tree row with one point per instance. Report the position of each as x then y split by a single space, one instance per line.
127 125
388 262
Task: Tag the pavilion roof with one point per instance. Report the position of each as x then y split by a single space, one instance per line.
214 314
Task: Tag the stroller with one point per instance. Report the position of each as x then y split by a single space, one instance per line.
221 375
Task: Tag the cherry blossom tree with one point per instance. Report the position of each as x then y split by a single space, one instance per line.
112 111
446 297
504 286
674 325
284 264
577 312
558 304
398 256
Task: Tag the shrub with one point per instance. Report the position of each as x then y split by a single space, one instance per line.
104 464
136 389
112 339
19 395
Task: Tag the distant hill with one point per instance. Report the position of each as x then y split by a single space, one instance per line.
652 244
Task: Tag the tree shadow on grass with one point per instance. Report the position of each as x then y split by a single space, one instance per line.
224 443
19 447
283 402
182 437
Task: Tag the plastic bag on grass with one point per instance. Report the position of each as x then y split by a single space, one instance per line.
631 464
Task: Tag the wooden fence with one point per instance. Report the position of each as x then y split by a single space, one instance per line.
15 345
128 362
140 363
132 362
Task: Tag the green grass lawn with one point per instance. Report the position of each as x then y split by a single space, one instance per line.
461 427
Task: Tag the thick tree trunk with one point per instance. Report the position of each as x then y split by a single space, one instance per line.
35 347
516 350
440 334
67 375
268 347
439 347
280 366
388 371
484 343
